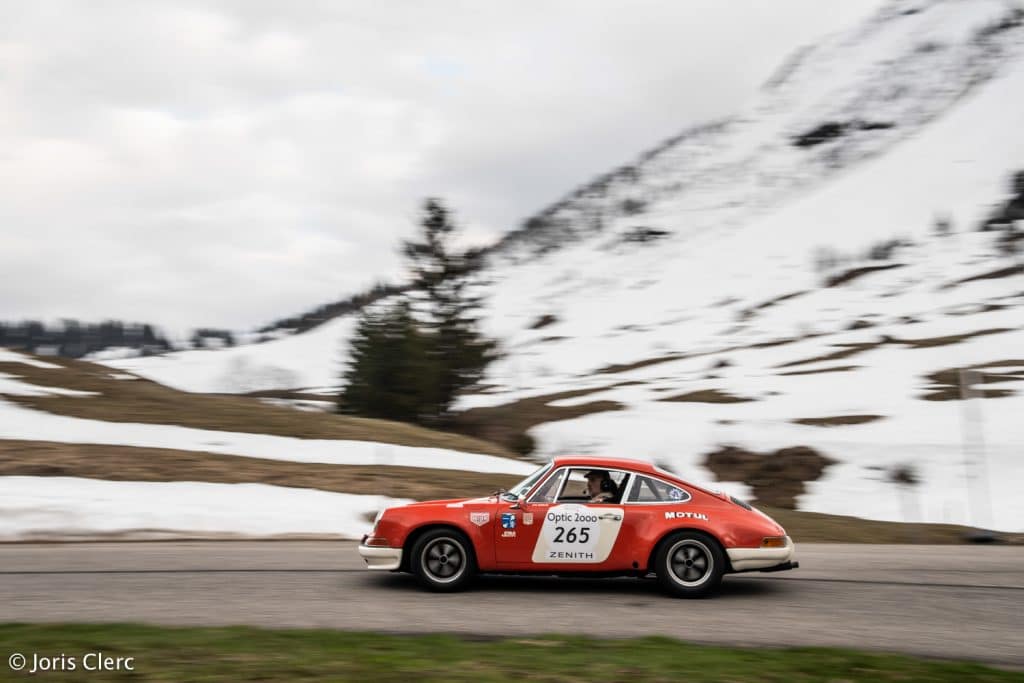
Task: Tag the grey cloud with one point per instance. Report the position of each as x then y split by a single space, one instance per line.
198 163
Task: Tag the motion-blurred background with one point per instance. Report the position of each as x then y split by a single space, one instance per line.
269 267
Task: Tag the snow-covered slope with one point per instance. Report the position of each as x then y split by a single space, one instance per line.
692 270
312 361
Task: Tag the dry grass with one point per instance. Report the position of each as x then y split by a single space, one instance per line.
508 423
707 396
837 420
126 463
815 527
151 403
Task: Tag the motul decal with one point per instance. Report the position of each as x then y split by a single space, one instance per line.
686 515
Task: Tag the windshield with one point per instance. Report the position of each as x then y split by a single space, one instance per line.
525 485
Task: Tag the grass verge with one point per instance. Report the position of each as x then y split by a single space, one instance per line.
247 654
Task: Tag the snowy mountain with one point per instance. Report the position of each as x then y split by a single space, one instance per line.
807 273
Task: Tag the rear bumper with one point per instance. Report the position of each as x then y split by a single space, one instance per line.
771 559
381 558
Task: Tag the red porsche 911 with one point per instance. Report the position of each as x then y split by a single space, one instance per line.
579 516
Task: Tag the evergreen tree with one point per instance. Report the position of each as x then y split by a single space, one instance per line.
409 359
456 348
389 374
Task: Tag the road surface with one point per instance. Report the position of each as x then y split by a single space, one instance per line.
943 601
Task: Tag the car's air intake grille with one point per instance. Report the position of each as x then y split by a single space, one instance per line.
741 503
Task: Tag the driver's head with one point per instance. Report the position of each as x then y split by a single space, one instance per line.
595 478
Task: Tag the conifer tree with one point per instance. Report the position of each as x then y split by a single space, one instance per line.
389 374
457 349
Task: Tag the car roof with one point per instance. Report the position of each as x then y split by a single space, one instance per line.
605 463
611 463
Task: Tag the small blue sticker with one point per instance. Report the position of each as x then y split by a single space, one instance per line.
508 520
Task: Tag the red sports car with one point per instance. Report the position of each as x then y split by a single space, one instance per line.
582 515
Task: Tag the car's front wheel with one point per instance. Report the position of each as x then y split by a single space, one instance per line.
689 564
443 561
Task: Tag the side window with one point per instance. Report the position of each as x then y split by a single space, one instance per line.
650 490
549 489
589 484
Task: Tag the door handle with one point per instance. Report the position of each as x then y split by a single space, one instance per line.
610 516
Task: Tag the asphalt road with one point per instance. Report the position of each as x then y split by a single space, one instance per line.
942 601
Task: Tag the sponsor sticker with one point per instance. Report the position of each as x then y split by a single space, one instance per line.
479 518
454 505
527 518
508 520
577 534
508 534
686 515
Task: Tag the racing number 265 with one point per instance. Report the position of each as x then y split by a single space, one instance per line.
571 536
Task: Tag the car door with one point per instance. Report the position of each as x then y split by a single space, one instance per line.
559 531
519 522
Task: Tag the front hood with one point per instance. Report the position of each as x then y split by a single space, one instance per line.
453 502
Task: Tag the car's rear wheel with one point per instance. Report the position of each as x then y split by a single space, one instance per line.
689 564
442 560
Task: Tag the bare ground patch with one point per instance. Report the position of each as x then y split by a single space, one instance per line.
508 424
856 273
707 396
847 351
990 275
127 463
838 420
853 349
945 384
636 365
750 312
818 371
151 403
946 340
776 478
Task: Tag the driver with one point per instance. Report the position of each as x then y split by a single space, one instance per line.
600 486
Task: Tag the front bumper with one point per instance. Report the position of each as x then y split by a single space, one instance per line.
772 559
380 557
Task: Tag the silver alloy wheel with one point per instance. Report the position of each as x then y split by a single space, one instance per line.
443 560
690 562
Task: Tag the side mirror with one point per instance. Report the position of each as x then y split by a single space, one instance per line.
520 503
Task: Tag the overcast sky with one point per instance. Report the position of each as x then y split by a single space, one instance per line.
229 163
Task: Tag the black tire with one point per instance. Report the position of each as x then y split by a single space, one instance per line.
689 564
442 560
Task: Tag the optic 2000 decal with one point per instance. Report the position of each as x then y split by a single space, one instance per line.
577 533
